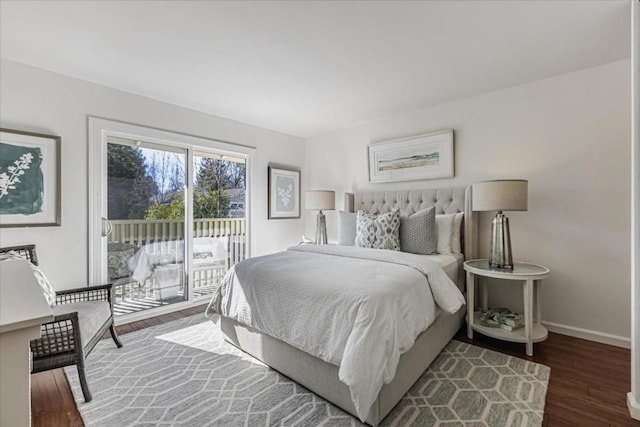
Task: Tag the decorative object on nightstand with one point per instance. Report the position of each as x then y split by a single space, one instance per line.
501 323
500 195
320 200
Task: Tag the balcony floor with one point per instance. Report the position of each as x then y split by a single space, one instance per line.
128 302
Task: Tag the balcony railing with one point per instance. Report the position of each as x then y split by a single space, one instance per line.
139 232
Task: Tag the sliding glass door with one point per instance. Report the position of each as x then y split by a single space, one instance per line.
146 224
168 215
219 223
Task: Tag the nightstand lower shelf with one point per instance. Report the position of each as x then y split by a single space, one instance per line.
539 332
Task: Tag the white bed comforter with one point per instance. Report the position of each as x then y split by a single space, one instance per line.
356 308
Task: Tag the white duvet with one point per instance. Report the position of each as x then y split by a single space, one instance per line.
356 308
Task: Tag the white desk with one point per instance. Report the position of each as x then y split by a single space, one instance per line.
23 309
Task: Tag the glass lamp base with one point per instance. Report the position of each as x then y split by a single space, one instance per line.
321 229
500 251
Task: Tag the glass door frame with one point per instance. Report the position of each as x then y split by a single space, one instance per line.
99 130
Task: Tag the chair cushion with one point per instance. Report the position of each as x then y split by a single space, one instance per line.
91 316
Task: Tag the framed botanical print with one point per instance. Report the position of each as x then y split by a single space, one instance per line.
29 179
284 193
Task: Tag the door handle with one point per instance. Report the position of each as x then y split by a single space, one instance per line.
107 227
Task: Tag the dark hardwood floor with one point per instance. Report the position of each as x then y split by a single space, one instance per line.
588 385
589 381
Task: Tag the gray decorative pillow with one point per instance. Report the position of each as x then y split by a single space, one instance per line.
117 263
347 223
418 232
378 231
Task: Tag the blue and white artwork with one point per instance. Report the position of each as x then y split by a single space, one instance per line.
284 193
285 198
29 179
21 180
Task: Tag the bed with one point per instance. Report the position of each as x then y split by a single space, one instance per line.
319 371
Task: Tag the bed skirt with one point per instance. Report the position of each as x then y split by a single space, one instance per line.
322 378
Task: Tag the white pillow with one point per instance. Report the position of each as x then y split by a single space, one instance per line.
347 227
47 289
444 225
456 236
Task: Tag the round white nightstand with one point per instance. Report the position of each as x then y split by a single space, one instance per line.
530 275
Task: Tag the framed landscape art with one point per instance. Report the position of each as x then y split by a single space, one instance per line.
29 179
284 193
426 156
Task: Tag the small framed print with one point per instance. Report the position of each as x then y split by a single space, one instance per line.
284 193
29 179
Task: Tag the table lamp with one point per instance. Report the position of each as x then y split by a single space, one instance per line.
500 195
319 200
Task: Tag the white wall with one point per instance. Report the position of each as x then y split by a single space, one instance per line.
569 136
633 399
41 101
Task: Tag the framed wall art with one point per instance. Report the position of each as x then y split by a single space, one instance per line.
29 179
284 193
426 156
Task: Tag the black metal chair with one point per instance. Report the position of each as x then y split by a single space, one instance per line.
82 317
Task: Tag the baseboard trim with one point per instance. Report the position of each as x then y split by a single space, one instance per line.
634 406
601 337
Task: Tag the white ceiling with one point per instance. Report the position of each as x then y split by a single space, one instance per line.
307 68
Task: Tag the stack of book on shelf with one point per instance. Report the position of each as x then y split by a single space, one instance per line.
501 317
492 317
512 321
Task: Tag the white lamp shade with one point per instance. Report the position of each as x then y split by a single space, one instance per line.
320 200
500 195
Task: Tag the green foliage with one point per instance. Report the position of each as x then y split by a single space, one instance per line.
210 204
137 191
173 210
219 174
129 187
125 161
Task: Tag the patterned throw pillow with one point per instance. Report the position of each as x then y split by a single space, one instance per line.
378 231
117 263
43 282
418 232
203 255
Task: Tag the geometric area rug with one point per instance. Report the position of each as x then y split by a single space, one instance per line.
184 373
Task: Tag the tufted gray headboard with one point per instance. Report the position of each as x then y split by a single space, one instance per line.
446 200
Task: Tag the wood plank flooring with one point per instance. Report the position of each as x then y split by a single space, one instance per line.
588 386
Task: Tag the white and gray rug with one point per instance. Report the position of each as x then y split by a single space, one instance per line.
184 373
